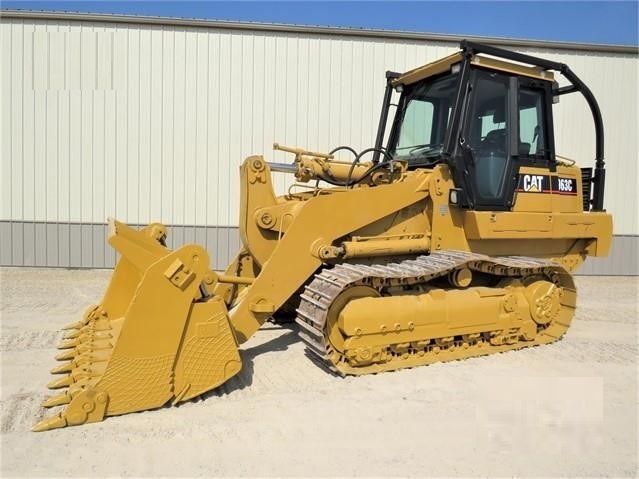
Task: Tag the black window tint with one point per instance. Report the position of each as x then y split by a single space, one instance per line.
488 134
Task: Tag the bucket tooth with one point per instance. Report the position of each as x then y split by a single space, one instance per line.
89 314
81 362
78 324
86 337
84 348
65 356
60 383
70 330
69 344
54 422
82 351
74 333
57 400
75 325
63 368
85 405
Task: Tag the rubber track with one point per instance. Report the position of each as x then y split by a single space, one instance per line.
329 283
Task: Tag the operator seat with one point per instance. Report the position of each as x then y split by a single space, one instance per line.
491 163
495 140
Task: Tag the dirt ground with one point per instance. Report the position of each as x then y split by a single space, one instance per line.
567 409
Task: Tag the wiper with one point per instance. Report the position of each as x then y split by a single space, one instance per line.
413 148
427 159
425 150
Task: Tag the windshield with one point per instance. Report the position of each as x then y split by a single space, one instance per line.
425 112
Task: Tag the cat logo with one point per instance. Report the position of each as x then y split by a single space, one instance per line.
533 183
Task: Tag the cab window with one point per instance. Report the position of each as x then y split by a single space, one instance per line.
422 120
532 138
417 127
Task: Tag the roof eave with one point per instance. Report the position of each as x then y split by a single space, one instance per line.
317 30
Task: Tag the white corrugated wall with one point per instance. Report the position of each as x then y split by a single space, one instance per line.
150 123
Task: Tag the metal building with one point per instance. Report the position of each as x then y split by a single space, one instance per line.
148 119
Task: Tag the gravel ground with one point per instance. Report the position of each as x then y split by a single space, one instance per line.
566 409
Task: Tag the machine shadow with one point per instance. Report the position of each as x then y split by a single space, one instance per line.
245 377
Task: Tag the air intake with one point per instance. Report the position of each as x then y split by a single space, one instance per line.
586 187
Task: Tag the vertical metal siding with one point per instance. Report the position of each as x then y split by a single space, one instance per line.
150 123
623 259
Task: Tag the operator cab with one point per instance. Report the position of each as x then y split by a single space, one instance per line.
485 118
504 122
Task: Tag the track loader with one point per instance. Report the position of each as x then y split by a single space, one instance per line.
454 236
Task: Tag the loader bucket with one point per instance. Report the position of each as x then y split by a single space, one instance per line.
157 336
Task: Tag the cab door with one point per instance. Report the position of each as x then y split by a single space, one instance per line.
507 126
489 136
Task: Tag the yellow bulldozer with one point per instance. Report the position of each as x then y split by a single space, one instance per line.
455 236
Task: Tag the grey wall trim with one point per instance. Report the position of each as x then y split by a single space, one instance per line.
84 245
285 28
623 259
76 245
